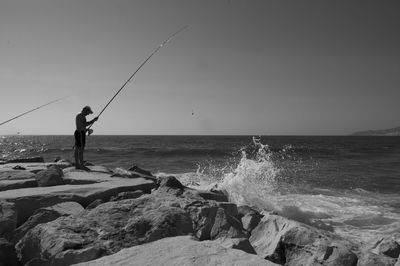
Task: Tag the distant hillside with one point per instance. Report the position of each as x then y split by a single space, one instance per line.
383 132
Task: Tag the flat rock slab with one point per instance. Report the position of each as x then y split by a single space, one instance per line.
181 250
10 174
17 184
98 174
27 200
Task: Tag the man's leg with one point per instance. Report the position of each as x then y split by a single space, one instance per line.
78 156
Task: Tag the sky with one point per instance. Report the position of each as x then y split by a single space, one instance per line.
254 67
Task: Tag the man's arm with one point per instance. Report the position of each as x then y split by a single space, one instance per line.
91 121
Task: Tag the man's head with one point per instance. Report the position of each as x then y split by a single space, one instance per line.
87 110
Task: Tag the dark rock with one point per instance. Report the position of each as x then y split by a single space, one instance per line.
50 177
140 171
18 167
8 257
209 195
17 184
237 243
292 243
249 217
8 217
388 247
27 160
226 225
127 195
170 182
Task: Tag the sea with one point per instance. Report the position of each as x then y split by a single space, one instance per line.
349 185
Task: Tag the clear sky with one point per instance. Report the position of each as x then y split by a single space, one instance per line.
244 67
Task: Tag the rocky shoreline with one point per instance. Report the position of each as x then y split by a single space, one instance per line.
53 214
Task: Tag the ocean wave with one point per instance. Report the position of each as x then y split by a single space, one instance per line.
258 181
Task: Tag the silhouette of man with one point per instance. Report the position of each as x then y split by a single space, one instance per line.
80 136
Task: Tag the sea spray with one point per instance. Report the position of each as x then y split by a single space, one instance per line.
253 178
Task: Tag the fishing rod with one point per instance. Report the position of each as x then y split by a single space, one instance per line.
134 73
27 112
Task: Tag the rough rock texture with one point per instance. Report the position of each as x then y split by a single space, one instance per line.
113 226
8 217
249 217
94 204
104 230
27 200
236 243
291 243
27 160
210 195
17 184
53 176
44 215
127 195
179 251
388 247
371 259
8 257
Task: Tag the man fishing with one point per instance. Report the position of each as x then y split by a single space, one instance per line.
80 136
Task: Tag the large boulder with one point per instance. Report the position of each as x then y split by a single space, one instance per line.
8 257
249 217
292 243
115 225
47 214
181 250
8 217
104 230
53 176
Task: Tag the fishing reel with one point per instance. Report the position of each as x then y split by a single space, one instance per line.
89 131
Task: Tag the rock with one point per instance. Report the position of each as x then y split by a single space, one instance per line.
8 257
27 160
8 217
127 195
115 225
236 243
170 182
106 229
50 177
44 215
388 247
181 250
94 204
17 184
28 200
209 195
140 171
226 225
249 217
7 174
292 243
371 259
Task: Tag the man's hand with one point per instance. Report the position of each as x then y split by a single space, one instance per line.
95 119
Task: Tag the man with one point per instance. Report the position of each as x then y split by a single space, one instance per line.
80 136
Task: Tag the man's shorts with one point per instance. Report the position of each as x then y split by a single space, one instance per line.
80 138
